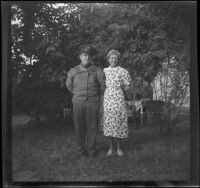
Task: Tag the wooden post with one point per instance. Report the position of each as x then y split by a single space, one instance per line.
142 113
64 113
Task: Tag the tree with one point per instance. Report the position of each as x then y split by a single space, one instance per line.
172 86
38 84
147 35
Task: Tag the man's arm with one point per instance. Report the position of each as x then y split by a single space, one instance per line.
102 81
69 82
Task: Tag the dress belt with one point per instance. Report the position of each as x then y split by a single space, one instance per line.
113 88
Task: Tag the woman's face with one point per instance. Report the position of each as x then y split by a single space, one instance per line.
113 60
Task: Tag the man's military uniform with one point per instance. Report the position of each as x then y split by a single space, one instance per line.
87 85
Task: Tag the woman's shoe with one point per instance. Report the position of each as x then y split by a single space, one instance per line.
109 152
120 152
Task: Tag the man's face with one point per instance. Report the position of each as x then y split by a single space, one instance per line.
85 58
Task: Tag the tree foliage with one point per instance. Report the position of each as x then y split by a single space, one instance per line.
45 41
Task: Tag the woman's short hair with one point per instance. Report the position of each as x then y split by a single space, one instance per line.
113 51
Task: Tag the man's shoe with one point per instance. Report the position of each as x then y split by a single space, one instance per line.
93 156
84 154
109 152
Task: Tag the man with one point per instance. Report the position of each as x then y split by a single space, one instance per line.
87 83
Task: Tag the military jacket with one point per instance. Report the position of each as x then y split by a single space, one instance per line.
86 84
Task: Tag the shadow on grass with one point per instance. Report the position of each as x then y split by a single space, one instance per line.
47 153
140 137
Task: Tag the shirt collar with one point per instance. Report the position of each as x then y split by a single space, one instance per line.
90 67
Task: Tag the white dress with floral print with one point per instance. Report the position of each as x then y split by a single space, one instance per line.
113 111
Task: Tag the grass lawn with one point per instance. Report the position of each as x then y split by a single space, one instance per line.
47 153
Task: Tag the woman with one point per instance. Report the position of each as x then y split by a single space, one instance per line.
114 119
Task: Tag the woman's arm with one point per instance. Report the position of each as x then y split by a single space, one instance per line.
102 81
126 80
127 85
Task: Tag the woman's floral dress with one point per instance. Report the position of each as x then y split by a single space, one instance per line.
113 107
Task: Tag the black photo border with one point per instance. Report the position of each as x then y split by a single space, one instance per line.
7 111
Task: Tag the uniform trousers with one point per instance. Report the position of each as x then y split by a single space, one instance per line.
85 115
